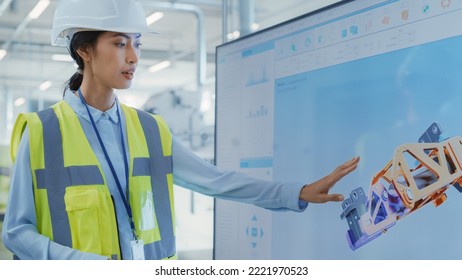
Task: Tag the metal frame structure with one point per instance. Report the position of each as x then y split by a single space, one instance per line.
417 174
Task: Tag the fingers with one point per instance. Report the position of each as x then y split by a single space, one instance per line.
331 197
352 162
335 197
318 192
350 166
346 168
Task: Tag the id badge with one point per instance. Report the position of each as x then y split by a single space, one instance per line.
137 249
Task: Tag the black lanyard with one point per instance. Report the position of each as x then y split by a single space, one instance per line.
126 198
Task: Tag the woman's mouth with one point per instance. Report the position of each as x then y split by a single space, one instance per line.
128 75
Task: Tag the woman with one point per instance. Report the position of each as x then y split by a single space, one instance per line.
74 162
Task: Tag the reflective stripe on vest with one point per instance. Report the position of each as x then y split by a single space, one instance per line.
61 181
55 177
158 166
154 170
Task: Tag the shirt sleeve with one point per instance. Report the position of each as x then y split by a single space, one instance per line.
191 172
20 234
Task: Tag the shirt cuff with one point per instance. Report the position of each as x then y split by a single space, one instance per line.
293 197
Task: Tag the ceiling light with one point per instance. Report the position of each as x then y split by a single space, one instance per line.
206 101
159 66
62 57
2 53
18 102
154 17
38 9
234 35
255 26
45 85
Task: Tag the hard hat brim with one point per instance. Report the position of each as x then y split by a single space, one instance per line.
63 40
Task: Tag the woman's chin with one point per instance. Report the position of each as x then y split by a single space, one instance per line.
124 85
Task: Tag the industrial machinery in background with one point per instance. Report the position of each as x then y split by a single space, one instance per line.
182 110
417 174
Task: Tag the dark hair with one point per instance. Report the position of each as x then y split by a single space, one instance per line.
79 40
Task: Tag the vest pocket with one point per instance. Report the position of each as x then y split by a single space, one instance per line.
82 206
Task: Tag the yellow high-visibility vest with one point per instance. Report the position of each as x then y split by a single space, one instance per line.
72 200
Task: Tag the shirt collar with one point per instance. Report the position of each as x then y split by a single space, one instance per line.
79 108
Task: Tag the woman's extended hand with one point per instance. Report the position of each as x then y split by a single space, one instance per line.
318 192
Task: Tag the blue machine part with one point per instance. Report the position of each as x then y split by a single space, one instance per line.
353 208
432 134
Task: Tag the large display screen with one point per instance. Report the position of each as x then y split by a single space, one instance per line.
294 101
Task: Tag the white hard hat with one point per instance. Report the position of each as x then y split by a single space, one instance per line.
72 16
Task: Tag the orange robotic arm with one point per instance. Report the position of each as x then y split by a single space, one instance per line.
418 174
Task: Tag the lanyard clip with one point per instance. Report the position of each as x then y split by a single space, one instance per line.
132 225
135 236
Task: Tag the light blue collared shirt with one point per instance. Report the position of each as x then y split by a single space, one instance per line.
20 233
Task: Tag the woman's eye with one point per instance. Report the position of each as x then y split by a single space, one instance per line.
120 45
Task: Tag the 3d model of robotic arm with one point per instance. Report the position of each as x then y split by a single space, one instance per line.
417 174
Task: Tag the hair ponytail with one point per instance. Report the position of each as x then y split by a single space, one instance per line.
80 40
75 81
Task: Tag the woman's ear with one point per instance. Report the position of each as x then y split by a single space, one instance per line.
85 53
